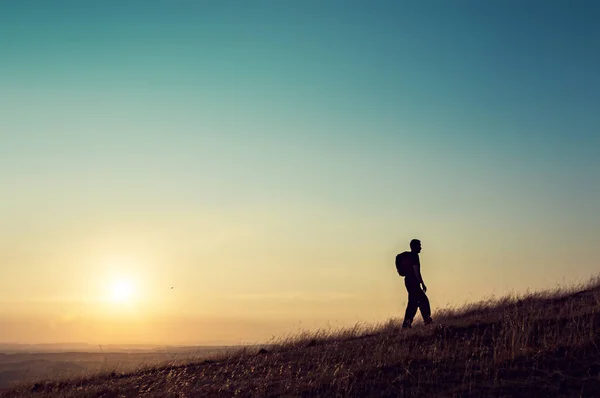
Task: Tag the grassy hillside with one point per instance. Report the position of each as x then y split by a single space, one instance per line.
546 345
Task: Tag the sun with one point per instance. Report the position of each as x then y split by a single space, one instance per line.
121 291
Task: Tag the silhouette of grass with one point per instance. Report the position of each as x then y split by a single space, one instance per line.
541 344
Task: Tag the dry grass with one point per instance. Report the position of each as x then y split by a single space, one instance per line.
544 344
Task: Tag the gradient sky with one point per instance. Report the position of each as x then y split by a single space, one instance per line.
267 160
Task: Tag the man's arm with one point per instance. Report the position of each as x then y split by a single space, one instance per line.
417 268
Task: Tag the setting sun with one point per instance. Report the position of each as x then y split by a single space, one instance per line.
121 291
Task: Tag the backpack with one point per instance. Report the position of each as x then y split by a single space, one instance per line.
402 265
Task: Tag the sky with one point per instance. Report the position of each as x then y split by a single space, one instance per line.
223 172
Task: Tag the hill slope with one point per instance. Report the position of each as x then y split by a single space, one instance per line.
545 344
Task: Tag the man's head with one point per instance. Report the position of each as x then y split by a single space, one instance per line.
415 246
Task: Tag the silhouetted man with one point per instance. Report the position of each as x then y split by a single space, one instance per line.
409 266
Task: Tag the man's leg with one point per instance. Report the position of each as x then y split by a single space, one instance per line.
411 307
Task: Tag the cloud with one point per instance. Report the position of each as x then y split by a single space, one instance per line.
299 296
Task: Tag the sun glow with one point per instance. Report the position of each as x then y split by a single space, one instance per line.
121 291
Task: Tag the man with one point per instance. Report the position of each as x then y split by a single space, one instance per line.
409 266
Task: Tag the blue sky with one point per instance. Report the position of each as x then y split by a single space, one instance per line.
329 132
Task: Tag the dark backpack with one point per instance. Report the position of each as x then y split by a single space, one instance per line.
401 265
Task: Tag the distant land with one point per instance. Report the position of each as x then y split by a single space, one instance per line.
28 363
8 348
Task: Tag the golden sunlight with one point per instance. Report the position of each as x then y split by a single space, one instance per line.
121 291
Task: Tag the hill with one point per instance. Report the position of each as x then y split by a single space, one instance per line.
541 345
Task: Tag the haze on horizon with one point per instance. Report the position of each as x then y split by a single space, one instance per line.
225 172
